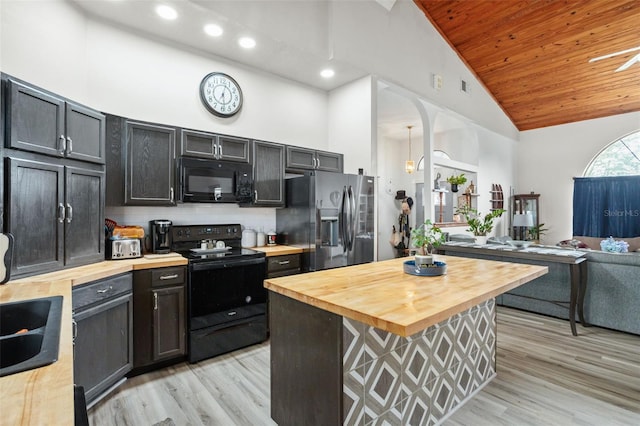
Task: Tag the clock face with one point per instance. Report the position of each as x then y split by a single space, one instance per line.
221 94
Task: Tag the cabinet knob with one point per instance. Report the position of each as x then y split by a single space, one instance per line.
60 212
62 145
74 327
69 145
69 213
155 301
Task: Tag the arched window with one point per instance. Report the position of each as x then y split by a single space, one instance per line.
619 158
436 153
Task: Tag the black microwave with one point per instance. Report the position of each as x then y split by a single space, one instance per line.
211 181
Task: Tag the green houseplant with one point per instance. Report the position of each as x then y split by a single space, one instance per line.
536 231
456 180
426 237
480 225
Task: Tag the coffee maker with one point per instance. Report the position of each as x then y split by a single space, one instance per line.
160 230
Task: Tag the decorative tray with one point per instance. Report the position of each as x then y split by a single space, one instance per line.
435 269
210 250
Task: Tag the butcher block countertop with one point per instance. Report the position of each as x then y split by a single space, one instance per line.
382 295
108 268
278 250
44 396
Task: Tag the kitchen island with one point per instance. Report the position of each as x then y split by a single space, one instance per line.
370 343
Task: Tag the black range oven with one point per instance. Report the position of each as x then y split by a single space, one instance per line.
227 301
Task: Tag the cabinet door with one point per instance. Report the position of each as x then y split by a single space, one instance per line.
84 229
149 176
329 161
103 346
85 131
233 149
268 174
35 120
198 144
300 158
168 322
35 215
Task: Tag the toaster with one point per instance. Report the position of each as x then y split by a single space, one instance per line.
124 248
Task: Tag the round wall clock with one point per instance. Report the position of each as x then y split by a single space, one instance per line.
221 94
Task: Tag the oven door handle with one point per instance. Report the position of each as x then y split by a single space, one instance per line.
205 266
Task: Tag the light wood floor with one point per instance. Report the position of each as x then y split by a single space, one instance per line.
545 377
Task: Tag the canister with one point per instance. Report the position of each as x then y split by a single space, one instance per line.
248 238
261 239
271 238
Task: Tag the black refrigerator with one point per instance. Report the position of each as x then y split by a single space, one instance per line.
331 217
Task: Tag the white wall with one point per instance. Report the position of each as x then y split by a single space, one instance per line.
53 46
549 158
403 48
350 119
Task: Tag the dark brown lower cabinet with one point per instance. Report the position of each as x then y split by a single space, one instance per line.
280 266
103 350
159 322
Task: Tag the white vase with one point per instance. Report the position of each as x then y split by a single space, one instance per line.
481 239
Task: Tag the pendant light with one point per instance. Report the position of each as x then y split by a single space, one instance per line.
409 165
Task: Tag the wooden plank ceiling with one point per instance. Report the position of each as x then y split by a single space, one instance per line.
533 55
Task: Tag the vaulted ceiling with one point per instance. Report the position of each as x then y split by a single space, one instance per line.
536 57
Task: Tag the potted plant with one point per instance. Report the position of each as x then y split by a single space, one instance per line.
536 231
455 181
480 225
426 237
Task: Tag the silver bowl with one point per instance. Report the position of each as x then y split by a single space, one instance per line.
520 244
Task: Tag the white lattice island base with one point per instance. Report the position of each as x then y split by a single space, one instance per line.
420 379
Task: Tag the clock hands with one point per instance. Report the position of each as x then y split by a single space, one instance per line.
221 95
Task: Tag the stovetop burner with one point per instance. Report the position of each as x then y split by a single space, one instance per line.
186 240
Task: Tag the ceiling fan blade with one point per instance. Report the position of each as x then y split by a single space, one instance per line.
629 63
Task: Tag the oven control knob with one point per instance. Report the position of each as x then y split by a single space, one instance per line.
247 299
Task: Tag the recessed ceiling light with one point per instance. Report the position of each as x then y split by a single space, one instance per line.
213 30
166 12
247 42
327 73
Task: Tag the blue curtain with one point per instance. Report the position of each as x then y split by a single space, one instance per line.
606 206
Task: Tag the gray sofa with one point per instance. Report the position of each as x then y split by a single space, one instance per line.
613 290
612 298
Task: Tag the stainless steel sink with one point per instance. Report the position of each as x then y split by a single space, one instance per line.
29 334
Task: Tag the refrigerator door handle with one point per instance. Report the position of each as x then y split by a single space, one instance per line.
352 217
341 220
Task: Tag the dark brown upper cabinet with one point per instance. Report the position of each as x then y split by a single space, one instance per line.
41 122
149 164
301 159
209 145
268 174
